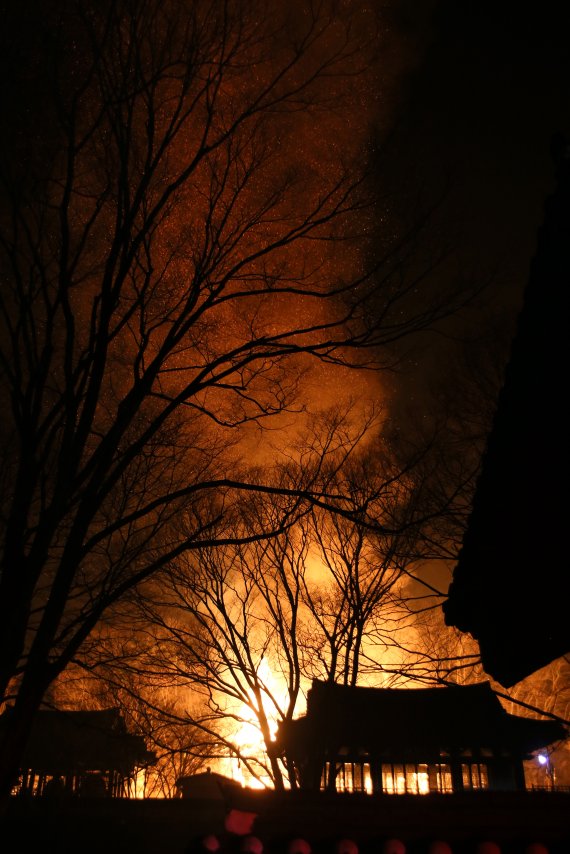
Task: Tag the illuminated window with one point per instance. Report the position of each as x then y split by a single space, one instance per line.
393 780
388 779
405 779
474 776
415 779
348 777
440 779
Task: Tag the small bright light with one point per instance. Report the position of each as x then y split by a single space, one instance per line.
542 758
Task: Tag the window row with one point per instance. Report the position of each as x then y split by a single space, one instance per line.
400 778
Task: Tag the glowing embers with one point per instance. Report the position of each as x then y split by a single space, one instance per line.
347 777
412 779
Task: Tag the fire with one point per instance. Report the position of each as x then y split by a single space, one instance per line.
247 736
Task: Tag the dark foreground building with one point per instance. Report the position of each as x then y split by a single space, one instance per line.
411 741
511 585
80 754
364 758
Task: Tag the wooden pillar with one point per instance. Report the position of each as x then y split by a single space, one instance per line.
456 773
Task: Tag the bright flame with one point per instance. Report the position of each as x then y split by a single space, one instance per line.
248 737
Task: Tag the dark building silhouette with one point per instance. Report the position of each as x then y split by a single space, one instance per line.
402 741
403 737
510 587
80 753
206 784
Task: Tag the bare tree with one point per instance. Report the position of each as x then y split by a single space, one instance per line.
226 622
169 256
355 599
246 627
221 615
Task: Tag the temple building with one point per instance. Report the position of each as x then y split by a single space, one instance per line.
81 753
410 741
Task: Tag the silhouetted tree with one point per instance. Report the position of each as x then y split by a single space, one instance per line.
245 627
172 252
357 599
227 624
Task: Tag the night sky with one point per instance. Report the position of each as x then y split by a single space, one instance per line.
482 89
